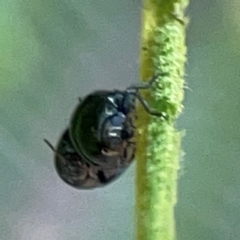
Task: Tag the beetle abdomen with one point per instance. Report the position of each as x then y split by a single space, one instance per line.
75 171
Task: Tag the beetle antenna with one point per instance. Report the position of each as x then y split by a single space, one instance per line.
55 151
49 145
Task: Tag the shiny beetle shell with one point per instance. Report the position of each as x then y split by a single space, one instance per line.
102 126
99 143
77 172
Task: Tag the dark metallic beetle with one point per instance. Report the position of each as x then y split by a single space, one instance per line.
99 144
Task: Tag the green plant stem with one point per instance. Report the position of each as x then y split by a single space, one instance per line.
163 50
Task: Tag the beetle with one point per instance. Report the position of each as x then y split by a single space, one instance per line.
99 144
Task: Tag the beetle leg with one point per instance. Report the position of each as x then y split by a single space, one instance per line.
107 152
131 123
147 108
134 90
177 18
146 85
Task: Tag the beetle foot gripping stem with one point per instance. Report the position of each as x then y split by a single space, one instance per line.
134 90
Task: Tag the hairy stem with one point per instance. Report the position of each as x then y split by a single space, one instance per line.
163 50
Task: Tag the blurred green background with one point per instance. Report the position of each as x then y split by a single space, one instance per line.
51 53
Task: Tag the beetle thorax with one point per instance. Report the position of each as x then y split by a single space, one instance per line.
115 127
